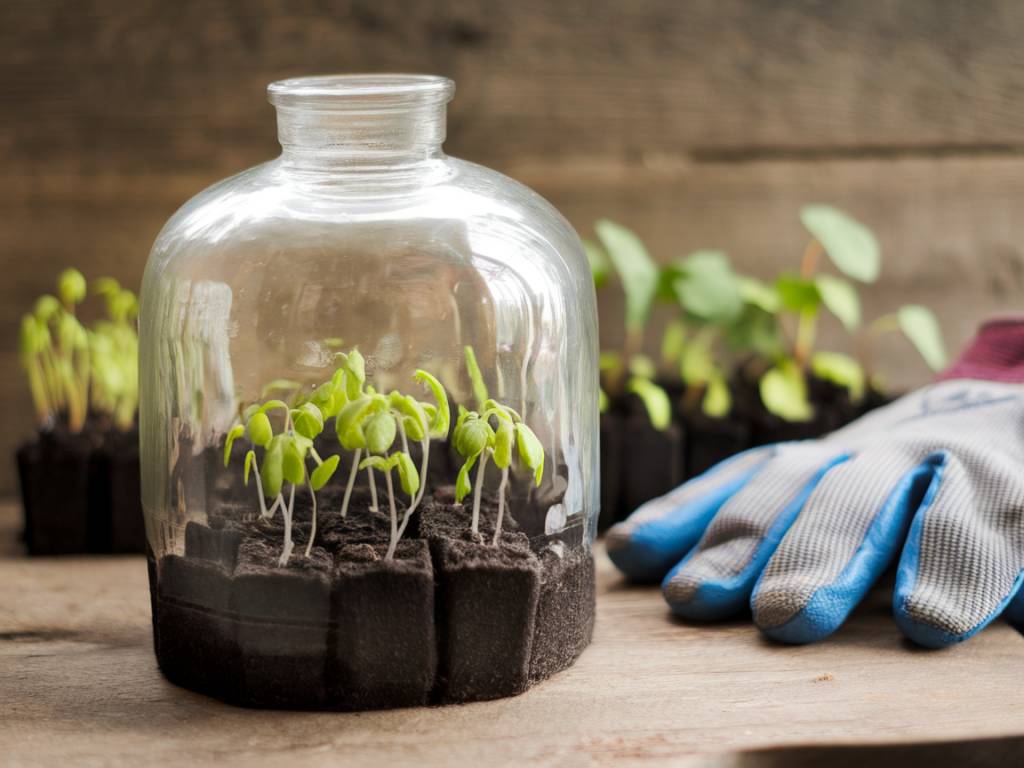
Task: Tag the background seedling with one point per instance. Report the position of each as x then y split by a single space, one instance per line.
497 433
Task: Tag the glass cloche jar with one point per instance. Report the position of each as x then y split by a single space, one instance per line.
368 417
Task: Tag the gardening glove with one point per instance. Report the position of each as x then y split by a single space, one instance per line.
801 530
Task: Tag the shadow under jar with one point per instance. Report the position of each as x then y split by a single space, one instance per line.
325 280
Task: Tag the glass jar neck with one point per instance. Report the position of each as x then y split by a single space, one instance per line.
361 125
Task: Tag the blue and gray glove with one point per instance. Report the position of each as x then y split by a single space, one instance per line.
800 531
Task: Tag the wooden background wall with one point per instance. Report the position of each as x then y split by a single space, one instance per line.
700 123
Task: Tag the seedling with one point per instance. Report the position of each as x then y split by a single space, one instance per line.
920 327
371 422
495 433
285 457
70 368
854 251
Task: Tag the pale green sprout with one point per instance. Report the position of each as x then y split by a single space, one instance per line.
114 354
920 327
495 434
285 457
476 378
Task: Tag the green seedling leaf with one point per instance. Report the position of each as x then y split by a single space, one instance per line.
600 267
414 418
259 429
464 416
493 407
272 405
408 477
279 385
602 401
922 328
322 474
272 470
380 463
46 307
707 287
503 439
840 298
531 452
462 484
349 423
609 361
849 244
475 377
755 331
797 294
293 464
717 400
473 436
840 369
308 420
655 400
233 434
355 368
380 431
440 419
71 287
784 392
759 294
106 287
637 271
250 459
642 366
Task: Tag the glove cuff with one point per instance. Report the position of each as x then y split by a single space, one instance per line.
995 354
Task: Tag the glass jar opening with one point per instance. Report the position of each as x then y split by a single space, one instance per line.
360 93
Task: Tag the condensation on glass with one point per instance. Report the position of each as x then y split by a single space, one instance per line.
361 234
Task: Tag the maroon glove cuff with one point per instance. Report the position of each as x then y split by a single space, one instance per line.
995 354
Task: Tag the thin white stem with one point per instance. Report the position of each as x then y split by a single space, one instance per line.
394 517
259 488
351 481
286 553
414 501
501 504
312 530
373 491
475 528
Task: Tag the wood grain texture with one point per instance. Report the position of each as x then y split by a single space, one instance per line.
697 122
81 686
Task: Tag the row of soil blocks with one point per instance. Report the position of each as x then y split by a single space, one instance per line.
81 492
450 618
639 462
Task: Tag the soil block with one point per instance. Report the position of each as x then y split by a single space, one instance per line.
29 469
127 525
195 637
216 545
487 600
282 625
60 494
385 650
565 610
611 469
652 461
710 440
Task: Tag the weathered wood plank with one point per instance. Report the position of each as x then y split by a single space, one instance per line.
81 686
145 84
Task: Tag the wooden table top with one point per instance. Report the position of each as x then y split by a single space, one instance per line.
79 684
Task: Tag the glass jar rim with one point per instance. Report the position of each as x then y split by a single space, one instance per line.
360 91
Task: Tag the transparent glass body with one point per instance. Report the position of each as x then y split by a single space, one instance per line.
362 235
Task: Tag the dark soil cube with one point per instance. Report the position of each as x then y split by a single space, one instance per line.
60 497
565 610
217 545
29 475
385 653
710 440
282 625
611 470
360 526
195 636
127 525
487 606
652 462
442 518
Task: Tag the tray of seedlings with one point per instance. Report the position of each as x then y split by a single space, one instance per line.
79 474
738 365
366 554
